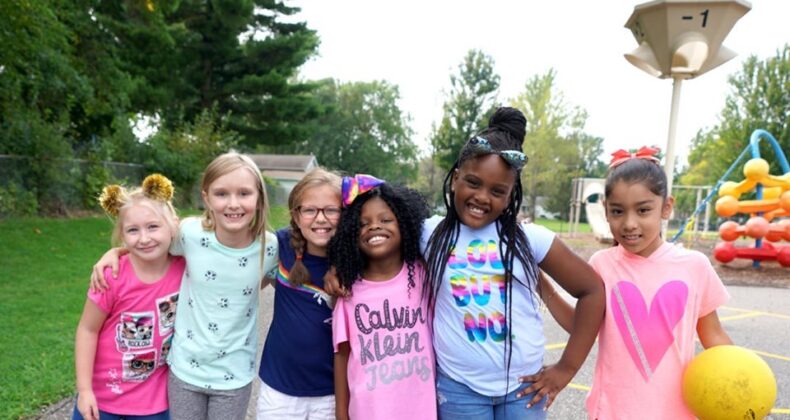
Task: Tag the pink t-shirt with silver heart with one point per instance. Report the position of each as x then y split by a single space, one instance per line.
647 337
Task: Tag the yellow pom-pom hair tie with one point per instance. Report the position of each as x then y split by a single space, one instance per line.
110 199
158 187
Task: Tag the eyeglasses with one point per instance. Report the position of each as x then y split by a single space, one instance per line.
514 158
312 212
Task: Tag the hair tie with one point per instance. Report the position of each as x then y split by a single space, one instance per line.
357 185
298 257
158 187
110 199
647 153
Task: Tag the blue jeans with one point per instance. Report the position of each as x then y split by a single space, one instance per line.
103 415
459 402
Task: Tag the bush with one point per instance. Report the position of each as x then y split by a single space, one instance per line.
17 202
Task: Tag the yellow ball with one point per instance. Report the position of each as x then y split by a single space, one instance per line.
729 382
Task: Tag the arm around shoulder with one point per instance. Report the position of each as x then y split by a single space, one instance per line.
271 259
110 259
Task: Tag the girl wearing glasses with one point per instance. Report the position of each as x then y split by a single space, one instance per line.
296 365
483 283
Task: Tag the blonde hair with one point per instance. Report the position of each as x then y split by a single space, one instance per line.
156 193
318 177
225 164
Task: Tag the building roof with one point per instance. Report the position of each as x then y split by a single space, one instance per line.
284 175
296 163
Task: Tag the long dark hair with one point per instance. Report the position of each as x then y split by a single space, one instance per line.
505 131
410 210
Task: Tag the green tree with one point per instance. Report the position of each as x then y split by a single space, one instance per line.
429 181
363 131
36 70
758 98
554 143
236 57
590 149
38 85
182 154
472 96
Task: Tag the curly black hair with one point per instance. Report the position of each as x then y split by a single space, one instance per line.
506 130
410 210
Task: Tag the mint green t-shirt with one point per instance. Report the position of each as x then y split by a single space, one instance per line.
216 330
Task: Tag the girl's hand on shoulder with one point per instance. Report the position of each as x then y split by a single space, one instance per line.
332 284
547 383
87 406
109 259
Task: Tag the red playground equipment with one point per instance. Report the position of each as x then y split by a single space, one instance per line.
767 211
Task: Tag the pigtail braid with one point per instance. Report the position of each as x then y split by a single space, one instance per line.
298 275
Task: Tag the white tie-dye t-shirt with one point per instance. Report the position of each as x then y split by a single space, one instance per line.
469 322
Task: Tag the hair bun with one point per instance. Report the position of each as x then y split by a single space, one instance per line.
110 199
510 120
158 187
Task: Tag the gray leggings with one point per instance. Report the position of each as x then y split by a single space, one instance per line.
189 402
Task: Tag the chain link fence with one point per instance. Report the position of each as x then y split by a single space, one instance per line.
30 186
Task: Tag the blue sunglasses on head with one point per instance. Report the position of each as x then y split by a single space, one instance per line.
516 159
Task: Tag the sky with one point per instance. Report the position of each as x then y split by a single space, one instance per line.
418 44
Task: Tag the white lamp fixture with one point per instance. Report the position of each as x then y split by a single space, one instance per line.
681 39
684 36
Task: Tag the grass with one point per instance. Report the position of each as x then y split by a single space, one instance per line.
46 266
562 226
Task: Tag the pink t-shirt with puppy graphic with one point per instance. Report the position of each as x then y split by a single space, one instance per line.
130 368
647 337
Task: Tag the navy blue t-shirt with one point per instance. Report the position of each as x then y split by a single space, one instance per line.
298 356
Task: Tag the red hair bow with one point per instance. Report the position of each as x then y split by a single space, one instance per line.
648 153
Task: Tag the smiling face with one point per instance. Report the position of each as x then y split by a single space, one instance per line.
317 230
482 188
379 232
145 233
232 200
634 214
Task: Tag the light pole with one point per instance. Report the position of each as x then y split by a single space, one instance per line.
682 40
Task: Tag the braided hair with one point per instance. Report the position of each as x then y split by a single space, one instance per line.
318 177
410 211
506 130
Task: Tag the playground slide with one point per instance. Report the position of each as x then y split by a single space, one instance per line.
596 214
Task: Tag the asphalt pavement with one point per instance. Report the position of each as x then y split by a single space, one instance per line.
757 318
